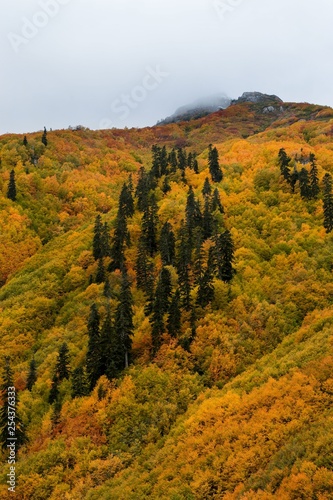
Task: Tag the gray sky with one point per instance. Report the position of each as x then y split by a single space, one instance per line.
104 63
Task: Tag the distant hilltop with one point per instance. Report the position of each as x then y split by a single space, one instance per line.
198 109
203 107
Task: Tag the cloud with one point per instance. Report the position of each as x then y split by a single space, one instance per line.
78 57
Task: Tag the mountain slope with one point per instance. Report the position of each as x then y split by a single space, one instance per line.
243 410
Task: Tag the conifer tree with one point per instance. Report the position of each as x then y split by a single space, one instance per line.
80 386
105 242
124 319
25 141
163 161
181 159
111 348
225 256
121 237
32 375
314 178
107 292
304 184
207 189
214 165
100 275
144 269
195 166
156 165
294 177
44 137
93 362
206 287
126 202
7 393
173 161
284 162
166 188
328 203
11 192
167 245
207 220
142 189
62 366
149 226
56 412
216 202
174 317
54 392
193 217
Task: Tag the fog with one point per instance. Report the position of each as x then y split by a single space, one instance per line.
131 63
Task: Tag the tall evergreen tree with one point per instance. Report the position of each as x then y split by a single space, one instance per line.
294 177
10 401
284 162
11 192
225 256
144 269
32 375
174 317
166 188
124 319
44 137
56 412
214 165
193 217
167 244
62 366
105 243
107 292
304 184
156 165
120 239
111 348
142 189
126 202
181 159
25 141
100 275
94 362
173 161
207 189
314 178
80 386
216 202
149 226
328 203
206 287
208 222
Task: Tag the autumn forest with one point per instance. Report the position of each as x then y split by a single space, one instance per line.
166 299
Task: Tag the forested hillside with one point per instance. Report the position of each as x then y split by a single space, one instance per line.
167 308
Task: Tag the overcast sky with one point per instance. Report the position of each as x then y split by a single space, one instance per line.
117 63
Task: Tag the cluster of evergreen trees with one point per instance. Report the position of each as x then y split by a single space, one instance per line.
183 250
308 182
